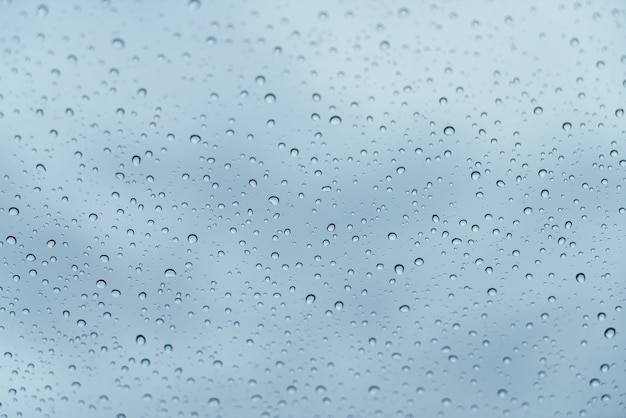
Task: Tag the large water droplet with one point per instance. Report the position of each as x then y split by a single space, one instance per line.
609 333
449 130
335 121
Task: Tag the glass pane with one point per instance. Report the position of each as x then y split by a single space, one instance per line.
342 209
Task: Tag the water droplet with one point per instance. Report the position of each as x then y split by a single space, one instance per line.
404 308
580 277
118 43
339 305
274 200
42 10
418 261
214 402
502 393
594 383
170 273
475 175
310 298
373 390
399 269
538 110
619 113
492 292
449 130
51 243
609 333
335 121
192 238
101 284
392 236
270 98
330 227
93 217
136 160
567 126
403 12
140 339
194 5
14 211
194 139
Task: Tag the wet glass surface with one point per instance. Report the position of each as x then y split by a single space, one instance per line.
342 209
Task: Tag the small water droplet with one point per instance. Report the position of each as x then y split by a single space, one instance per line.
14 211
404 308
140 339
567 126
194 139
136 160
580 278
274 200
194 5
118 43
475 175
310 298
335 121
192 238
399 269
170 273
609 333
449 130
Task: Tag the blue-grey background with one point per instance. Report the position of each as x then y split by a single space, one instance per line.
178 176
